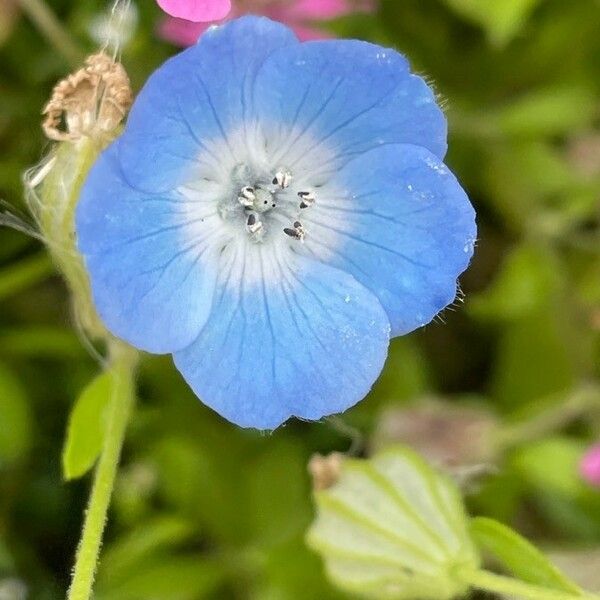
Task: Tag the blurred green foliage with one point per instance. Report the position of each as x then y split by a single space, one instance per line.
205 510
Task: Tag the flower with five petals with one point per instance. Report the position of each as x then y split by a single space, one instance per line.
272 214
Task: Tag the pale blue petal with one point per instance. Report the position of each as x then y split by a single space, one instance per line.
309 345
348 95
150 287
197 96
399 222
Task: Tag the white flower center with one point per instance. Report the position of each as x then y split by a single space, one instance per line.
265 203
258 194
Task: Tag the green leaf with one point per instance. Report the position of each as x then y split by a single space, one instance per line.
393 527
527 281
15 419
168 578
24 274
41 341
406 375
133 550
536 358
550 468
292 571
85 430
518 556
501 19
548 111
545 192
278 497
563 454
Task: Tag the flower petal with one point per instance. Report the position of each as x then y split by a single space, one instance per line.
309 342
399 222
151 258
196 10
199 95
351 95
181 32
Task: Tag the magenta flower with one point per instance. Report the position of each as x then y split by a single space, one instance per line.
196 10
300 15
589 467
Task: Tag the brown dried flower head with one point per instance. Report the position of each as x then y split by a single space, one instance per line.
90 102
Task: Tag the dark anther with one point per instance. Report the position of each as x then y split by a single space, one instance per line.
291 232
297 224
251 220
308 199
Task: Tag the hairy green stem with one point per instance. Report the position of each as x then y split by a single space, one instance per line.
499 584
122 363
580 402
45 20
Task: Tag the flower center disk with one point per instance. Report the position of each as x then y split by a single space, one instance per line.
268 203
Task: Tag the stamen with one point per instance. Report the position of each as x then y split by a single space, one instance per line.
253 224
247 196
282 179
307 199
298 232
291 232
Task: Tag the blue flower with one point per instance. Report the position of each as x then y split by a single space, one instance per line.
273 213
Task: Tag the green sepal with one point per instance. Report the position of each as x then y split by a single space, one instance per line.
393 527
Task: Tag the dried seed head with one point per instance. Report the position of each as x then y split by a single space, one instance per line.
325 470
90 102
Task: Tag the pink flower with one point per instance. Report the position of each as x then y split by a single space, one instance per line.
196 10
589 467
299 14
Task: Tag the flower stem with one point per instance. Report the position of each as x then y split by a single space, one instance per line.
47 23
580 402
122 363
490 582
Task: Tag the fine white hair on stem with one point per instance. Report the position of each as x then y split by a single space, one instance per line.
118 17
86 340
11 217
33 178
